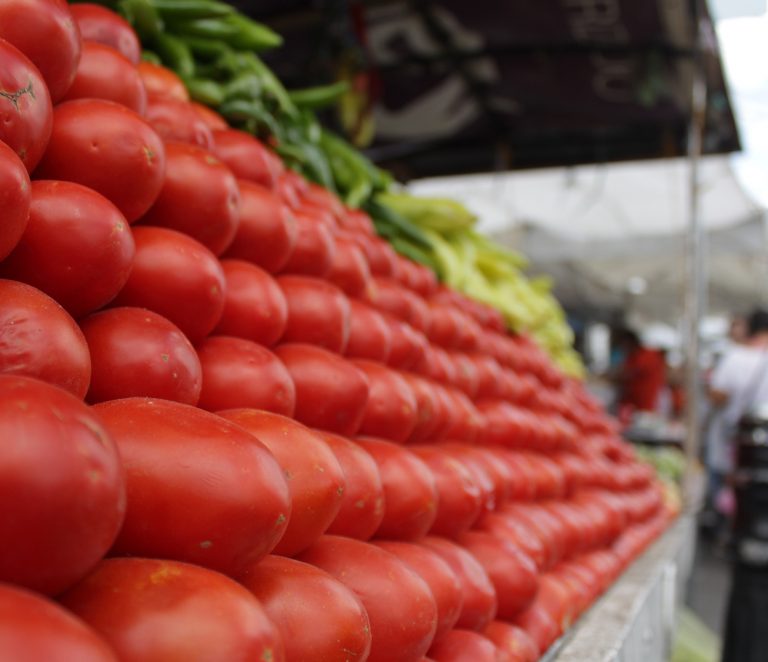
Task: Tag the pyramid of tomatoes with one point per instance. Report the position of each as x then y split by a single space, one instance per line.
236 425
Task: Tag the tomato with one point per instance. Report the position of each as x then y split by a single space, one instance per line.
514 641
391 409
105 73
356 220
25 106
506 526
500 473
429 417
400 606
381 257
410 491
349 270
108 148
539 625
246 156
178 121
389 296
77 247
318 312
362 506
254 305
467 375
33 628
151 610
479 602
315 478
212 119
39 339
370 336
512 573
408 345
162 82
469 458
289 186
443 328
314 249
45 31
240 373
468 420
15 199
331 392
183 461
62 473
318 617
442 581
489 376
322 198
137 352
177 277
557 600
97 23
460 500
199 197
463 645
543 525
268 230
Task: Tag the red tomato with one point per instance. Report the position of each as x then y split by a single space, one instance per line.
324 199
381 257
314 250
25 107
77 247
479 602
318 617
557 600
151 610
544 527
318 312
15 199
467 455
506 526
315 478
246 156
512 573
137 352
356 220
33 628
183 461
349 270
467 375
254 304
199 197
489 376
362 506
514 641
268 230
400 606
391 409
442 581
62 473
464 645
240 373
410 492
370 336
539 625
212 119
109 148
498 471
178 121
429 413
178 277
45 31
460 500
389 296
162 82
100 24
331 393
443 328
39 339
105 73
408 345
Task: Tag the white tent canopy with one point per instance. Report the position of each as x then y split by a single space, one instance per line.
612 236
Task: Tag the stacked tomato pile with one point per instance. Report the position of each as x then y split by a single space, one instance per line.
235 425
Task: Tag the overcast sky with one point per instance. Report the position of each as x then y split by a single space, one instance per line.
744 47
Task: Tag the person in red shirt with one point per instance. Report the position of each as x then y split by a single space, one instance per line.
641 376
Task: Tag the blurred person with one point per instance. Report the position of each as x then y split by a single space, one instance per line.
642 375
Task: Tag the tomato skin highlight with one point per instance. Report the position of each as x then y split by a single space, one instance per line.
15 199
160 81
178 121
181 460
97 23
318 617
47 33
62 472
26 111
246 156
39 339
33 628
109 148
77 247
151 610
460 645
136 352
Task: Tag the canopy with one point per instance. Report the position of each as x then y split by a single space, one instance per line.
612 236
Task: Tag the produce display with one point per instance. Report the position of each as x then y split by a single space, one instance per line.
235 423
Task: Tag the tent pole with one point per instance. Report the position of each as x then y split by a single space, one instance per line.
694 263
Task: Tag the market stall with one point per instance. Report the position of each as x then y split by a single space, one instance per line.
254 393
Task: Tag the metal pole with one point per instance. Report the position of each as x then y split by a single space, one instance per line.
694 261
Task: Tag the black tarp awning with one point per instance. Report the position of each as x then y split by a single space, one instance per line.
460 86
